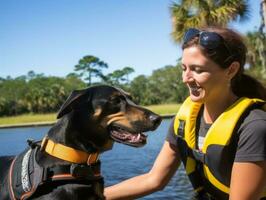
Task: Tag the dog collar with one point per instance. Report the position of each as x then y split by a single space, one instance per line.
67 153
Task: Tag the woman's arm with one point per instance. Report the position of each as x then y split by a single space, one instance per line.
163 169
248 180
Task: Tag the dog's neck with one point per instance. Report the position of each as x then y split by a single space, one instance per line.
62 136
64 132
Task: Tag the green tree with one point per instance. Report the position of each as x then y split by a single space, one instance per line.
127 70
166 86
256 42
119 78
199 13
256 49
73 82
263 17
139 90
256 56
45 94
12 92
90 66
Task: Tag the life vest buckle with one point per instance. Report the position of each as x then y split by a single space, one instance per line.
181 128
198 155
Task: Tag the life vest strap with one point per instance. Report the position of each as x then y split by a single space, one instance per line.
198 155
181 128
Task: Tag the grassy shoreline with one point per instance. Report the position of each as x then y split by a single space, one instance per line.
164 109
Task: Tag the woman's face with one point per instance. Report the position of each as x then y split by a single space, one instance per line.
205 79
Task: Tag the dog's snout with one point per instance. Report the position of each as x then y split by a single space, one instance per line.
155 119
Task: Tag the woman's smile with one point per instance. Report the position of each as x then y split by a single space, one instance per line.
194 89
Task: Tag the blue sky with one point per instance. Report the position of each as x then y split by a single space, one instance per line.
51 36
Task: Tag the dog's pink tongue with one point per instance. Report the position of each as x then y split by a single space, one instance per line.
122 135
128 137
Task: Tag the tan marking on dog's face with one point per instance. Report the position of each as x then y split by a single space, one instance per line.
128 118
97 113
118 118
115 117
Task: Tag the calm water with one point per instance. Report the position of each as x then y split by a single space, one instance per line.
120 163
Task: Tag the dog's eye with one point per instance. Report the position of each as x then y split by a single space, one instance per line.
116 100
130 97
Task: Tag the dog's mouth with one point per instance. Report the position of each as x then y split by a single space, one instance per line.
122 135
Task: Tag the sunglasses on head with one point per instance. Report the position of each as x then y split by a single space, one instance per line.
208 40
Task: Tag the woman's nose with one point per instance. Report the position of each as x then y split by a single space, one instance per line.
187 76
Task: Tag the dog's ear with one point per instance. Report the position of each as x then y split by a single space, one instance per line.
74 98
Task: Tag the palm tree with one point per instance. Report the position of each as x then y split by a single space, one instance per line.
256 56
256 42
262 15
199 13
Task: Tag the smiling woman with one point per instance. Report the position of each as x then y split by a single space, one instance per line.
219 132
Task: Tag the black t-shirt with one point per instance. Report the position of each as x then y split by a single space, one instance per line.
251 140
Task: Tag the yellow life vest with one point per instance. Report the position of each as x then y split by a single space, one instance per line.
218 137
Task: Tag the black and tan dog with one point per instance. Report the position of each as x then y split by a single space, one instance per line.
65 164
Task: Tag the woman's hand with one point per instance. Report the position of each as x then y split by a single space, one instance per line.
163 169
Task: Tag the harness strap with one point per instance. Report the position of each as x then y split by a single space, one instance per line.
26 175
10 186
67 153
72 171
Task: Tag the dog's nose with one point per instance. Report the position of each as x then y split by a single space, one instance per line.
155 119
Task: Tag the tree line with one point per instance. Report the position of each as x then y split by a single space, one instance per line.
37 93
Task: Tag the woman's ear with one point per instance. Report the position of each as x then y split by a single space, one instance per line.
233 69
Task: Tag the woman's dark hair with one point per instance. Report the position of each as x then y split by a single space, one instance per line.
242 84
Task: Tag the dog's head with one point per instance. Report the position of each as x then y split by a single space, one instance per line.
102 114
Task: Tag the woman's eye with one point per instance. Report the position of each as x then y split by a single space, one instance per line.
198 70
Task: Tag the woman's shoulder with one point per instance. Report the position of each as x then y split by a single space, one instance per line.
255 115
254 122
251 145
